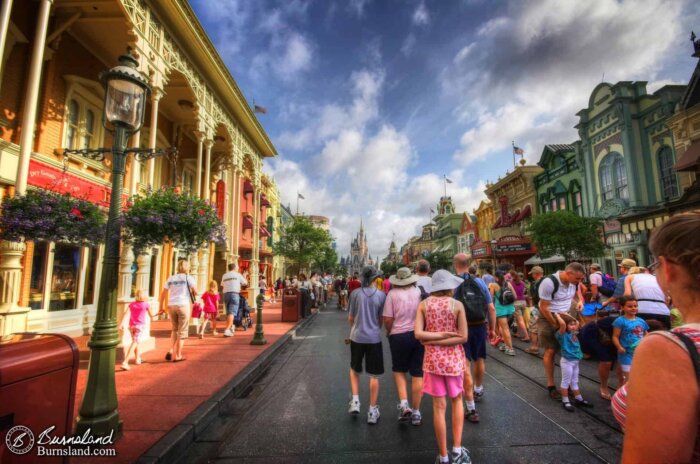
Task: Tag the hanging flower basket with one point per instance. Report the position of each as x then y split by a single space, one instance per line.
164 215
45 215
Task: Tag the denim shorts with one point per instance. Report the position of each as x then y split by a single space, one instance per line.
232 302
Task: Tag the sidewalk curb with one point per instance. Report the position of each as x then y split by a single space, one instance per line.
173 444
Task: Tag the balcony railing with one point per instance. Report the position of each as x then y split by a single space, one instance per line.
547 176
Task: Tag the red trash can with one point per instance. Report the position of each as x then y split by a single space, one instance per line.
290 305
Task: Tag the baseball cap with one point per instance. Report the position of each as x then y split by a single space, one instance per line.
536 269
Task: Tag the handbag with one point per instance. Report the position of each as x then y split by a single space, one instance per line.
196 310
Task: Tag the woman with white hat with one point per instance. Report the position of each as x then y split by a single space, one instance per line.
400 310
441 325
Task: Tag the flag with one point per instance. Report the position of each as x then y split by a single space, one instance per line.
432 210
299 195
518 150
260 109
448 180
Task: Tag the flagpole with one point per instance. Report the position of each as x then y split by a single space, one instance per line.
297 202
444 181
514 164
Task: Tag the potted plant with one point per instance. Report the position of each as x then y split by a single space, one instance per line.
46 215
165 215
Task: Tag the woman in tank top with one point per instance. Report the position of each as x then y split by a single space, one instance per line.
650 298
659 406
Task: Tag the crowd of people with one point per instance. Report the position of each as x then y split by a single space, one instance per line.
438 326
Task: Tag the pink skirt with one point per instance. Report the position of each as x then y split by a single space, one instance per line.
443 385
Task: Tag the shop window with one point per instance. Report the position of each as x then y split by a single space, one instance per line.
38 280
90 274
669 182
64 277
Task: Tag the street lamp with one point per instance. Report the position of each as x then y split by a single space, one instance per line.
493 251
126 91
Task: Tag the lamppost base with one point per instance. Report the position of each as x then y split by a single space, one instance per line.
259 338
104 426
258 341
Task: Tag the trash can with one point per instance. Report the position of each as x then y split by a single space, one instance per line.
38 374
290 305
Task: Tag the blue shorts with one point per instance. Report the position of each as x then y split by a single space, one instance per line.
406 354
232 301
475 347
625 359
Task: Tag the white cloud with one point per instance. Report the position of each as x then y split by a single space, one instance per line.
408 44
358 7
526 73
421 16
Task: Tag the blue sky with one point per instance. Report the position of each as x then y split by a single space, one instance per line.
370 102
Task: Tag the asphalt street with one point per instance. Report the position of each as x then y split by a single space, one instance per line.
297 413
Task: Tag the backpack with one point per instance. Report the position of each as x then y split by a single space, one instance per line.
474 301
423 293
555 281
608 287
535 292
507 297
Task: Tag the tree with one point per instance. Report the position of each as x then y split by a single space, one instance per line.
439 261
389 268
303 243
567 234
326 261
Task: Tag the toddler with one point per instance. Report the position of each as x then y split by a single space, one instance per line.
137 326
211 308
571 354
628 331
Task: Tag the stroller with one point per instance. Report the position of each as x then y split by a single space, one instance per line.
243 318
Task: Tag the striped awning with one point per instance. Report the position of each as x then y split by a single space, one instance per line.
247 222
264 232
644 224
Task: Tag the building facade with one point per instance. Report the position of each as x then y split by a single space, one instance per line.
359 253
559 187
468 234
448 224
628 154
51 99
481 249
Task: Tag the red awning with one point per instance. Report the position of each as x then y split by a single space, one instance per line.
690 159
264 232
247 187
247 222
264 201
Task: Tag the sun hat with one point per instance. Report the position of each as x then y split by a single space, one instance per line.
536 269
403 277
444 280
628 263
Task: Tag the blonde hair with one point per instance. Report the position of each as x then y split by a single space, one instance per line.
678 240
213 286
141 294
181 265
636 270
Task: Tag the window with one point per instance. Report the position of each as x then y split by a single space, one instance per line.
578 204
72 124
89 287
620 179
562 202
613 178
36 285
82 127
553 204
669 183
606 181
64 280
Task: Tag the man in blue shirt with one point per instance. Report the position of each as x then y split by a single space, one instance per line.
475 348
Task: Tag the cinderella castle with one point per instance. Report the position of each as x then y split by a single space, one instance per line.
359 254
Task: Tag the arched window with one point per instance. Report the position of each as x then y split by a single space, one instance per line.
606 179
613 178
620 178
669 183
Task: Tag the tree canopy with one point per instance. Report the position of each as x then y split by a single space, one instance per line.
305 244
439 261
567 234
389 268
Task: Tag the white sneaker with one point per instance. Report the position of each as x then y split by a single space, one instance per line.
228 333
373 415
416 418
461 458
405 413
509 351
354 407
502 346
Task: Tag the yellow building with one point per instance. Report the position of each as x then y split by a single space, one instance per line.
53 51
485 218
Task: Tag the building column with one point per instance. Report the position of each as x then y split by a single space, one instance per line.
207 170
156 95
255 259
31 98
5 11
12 317
236 207
200 146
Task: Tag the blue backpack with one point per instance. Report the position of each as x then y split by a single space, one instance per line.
608 287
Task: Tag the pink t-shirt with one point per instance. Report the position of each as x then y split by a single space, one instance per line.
387 286
211 302
402 305
137 313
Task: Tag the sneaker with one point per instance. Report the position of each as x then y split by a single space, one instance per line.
472 416
478 395
228 333
460 458
502 346
373 415
405 413
354 407
416 418
509 351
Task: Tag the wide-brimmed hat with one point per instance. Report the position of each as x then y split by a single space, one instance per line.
628 263
370 273
444 280
403 277
536 269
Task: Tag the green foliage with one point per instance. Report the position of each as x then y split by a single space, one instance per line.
304 244
439 261
389 268
187 222
326 261
568 234
45 215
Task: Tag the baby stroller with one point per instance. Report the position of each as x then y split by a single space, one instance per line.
243 318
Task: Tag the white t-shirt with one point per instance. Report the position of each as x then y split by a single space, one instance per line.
561 303
596 279
425 282
650 297
178 295
231 282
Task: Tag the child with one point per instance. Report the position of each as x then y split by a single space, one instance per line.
211 307
628 331
137 326
441 325
571 354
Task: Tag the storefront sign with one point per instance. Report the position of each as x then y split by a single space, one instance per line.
220 199
478 252
611 226
513 247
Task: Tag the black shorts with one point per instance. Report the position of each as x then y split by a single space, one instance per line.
665 320
475 347
590 344
406 354
372 354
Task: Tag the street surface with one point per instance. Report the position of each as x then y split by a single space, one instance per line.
297 413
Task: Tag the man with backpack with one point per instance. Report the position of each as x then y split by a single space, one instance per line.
602 285
481 322
424 282
556 293
537 274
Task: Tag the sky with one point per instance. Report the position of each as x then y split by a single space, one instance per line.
371 102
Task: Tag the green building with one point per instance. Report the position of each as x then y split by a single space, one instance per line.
560 186
449 224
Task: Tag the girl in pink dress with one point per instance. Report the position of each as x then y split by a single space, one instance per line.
211 308
137 326
441 325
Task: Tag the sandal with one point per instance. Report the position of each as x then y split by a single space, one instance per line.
554 393
532 350
605 396
180 360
